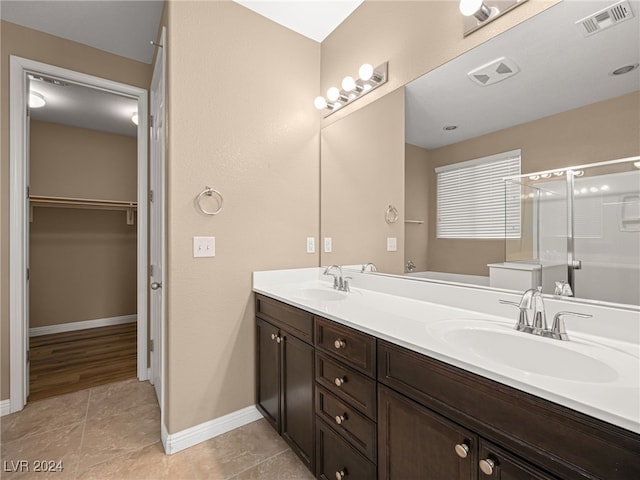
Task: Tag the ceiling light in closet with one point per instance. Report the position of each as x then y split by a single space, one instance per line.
36 100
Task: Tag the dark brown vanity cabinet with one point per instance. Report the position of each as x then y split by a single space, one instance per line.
285 374
346 429
437 413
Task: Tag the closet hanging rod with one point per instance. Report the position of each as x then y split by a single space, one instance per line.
42 200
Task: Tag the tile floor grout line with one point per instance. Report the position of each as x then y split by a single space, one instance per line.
84 428
258 463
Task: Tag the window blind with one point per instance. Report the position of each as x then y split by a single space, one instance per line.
473 200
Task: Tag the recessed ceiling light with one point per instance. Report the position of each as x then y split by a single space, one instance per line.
36 100
624 69
448 128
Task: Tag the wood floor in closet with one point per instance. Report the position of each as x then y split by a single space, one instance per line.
67 362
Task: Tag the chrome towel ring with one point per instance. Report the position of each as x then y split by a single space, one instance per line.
208 191
391 215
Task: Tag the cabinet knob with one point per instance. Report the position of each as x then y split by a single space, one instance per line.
487 465
278 339
273 336
340 343
462 450
340 419
339 381
341 474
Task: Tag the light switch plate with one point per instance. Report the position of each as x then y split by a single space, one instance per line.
311 244
392 244
204 247
328 244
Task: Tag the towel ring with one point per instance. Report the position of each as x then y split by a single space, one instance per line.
391 215
208 191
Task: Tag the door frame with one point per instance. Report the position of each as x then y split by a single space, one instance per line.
19 208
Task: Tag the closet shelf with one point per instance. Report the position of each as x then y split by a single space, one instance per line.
69 202
43 201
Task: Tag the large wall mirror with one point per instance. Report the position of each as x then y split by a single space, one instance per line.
550 92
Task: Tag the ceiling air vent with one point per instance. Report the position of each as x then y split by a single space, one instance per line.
494 72
605 18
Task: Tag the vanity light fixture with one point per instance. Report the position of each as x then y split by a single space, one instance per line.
134 118
369 79
478 13
36 100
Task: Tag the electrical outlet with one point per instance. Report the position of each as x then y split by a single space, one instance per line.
392 244
327 245
204 247
311 244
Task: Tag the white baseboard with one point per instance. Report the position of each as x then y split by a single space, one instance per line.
70 327
173 443
5 407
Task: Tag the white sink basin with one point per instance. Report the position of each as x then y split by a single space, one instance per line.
573 360
320 294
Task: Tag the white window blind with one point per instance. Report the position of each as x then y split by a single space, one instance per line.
475 202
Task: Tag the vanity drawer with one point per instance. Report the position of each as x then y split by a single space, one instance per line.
295 321
356 348
337 459
359 430
346 383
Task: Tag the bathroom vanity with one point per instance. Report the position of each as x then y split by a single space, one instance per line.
359 389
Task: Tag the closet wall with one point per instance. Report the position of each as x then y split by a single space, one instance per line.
82 260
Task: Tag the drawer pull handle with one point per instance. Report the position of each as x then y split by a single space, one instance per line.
340 343
339 381
340 419
462 450
341 474
487 465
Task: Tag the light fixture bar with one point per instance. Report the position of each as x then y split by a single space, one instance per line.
369 79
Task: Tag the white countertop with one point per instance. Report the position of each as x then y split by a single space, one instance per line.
415 314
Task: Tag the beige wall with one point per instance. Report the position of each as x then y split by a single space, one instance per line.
34 45
594 133
416 205
82 262
362 174
241 119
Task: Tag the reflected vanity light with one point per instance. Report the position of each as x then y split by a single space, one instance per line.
134 118
369 79
478 13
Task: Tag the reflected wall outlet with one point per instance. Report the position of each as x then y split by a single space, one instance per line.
327 245
392 244
204 247
311 244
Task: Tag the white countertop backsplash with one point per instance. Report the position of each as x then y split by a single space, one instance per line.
402 311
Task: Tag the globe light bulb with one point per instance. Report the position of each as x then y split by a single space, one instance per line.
333 94
36 100
320 103
366 72
470 7
348 84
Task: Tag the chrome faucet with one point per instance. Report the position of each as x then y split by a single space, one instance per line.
532 300
339 282
368 267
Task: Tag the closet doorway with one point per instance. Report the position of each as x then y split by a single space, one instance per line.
78 231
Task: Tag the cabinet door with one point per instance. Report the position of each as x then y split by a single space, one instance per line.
268 372
414 442
496 464
297 398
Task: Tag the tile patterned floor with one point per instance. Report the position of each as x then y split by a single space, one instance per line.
113 432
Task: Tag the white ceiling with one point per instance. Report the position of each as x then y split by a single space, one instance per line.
314 19
560 70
